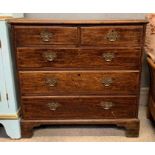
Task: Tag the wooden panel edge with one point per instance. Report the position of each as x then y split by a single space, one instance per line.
10 116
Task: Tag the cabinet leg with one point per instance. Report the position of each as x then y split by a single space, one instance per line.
26 130
12 128
132 129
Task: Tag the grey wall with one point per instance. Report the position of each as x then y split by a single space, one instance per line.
87 15
145 72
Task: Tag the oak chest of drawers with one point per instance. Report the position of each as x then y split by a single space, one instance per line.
78 72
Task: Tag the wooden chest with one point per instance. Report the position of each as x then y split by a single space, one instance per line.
78 72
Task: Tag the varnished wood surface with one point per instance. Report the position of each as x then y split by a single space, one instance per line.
58 21
79 107
31 35
78 58
128 36
77 82
79 70
131 125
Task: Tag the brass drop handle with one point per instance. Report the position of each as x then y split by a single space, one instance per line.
52 82
107 105
108 56
107 81
112 36
49 56
53 105
46 36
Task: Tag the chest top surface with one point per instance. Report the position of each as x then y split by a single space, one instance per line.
58 21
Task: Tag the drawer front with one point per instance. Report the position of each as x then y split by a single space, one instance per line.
123 36
78 82
50 58
79 107
44 35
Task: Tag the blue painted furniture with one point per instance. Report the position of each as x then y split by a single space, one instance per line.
8 101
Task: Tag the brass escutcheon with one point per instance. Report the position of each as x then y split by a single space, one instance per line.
108 56
45 36
107 105
112 36
107 81
49 56
52 82
53 106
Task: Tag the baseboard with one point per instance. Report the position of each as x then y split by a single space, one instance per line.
144 92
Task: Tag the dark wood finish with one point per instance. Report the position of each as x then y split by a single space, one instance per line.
78 72
75 58
131 125
132 128
128 36
79 107
151 105
31 35
78 82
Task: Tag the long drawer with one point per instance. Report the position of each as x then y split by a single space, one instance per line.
78 82
45 35
117 36
74 58
98 107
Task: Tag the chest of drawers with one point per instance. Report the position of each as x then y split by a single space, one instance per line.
78 72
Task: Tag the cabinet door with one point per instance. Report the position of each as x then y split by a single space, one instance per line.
10 104
3 94
4 106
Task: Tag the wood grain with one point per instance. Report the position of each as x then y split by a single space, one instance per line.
128 36
78 58
31 35
78 72
131 125
77 82
78 107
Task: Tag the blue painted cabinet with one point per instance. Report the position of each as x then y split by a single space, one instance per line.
8 101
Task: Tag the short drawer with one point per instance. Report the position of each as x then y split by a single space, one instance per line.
118 36
52 58
78 82
44 35
54 108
